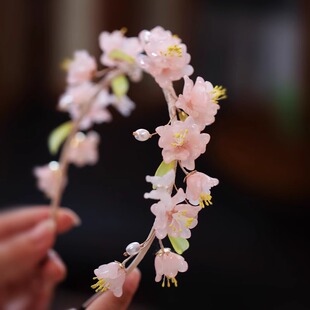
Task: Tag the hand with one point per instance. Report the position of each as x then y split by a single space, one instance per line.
29 268
107 301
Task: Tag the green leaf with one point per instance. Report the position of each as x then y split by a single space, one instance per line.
120 85
120 55
58 136
164 168
182 116
179 244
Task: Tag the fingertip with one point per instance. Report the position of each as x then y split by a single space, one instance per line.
54 270
67 219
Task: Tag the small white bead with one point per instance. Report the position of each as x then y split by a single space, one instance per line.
142 134
133 248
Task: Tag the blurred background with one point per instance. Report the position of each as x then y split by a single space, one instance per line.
251 248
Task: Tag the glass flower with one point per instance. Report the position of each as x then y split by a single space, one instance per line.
83 149
182 141
166 57
75 99
198 188
48 178
162 185
167 266
123 105
121 51
197 101
172 218
81 68
110 277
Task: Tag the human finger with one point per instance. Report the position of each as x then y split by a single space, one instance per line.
107 301
51 273
24 251
20 219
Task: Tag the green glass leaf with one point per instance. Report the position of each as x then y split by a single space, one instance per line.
164 168
179 244
120 55
120 85
58 136
182 116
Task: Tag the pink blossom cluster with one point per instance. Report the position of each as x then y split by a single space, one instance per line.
91 91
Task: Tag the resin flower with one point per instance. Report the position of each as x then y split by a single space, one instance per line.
77 96
198 188
110 277
172 218
81 68
162 185
83 149
166 57
121 51
167 266
182 141
75 99
123 105
48 178
198 101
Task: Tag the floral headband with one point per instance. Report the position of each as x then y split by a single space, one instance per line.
90 92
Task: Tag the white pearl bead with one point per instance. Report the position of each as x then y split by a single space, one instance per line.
142 134
133 248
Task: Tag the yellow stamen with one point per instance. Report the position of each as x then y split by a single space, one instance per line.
219 93
100 285
123 30
173 51
205 199
65 64
179 138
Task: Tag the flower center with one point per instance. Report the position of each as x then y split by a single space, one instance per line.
179 137
173 51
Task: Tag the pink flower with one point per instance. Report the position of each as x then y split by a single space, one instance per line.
48 178
198 188
182 141
124 104
81 68
166 57
110 277
167 265
172 218
198 101
162 185
75 99
83 149
121 52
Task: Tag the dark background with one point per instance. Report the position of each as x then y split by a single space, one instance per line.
251 248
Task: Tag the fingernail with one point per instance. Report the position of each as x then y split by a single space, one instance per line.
43 230
75 218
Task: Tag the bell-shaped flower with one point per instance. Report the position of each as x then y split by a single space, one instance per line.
162 185
198 188
172 218
198 101
121 52
110 277
182 141
167 266
48 178
81 68
83 149
166 56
